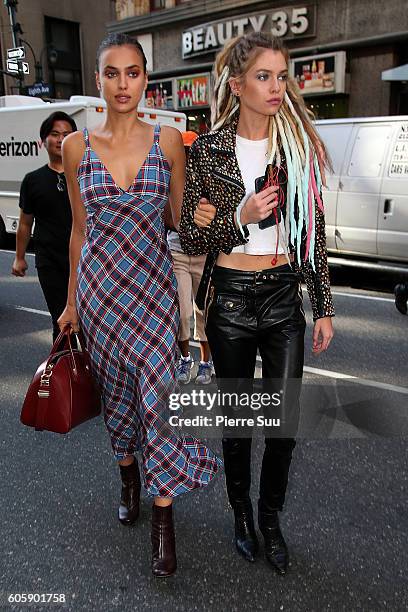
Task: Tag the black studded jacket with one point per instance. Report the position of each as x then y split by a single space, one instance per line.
213 172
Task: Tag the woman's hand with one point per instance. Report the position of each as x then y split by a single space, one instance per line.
204 213
322 334
69 317
259 205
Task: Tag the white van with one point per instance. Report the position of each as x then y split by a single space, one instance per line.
366 203
22 151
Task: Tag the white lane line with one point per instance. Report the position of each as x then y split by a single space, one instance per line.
13 252
363 297
342 376
34 310
329 373
356 379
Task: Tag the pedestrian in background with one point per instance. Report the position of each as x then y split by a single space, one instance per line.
44 200
123 292
188 270
261 132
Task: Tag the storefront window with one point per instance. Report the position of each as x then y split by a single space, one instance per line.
159 94
65 71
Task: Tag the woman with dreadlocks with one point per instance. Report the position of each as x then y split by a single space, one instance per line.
262 241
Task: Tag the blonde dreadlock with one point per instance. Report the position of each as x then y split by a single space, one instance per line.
290 131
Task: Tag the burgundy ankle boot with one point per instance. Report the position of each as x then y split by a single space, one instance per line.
129 502
164 562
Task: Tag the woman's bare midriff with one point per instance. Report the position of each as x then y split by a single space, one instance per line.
250 263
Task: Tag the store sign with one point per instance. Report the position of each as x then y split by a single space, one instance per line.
193 91
320 74
399 159
159 94
288 22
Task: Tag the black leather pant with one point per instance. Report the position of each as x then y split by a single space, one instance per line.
246 312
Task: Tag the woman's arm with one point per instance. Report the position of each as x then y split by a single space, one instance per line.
203 228
72 152
318 288
221 232
318 280
173 149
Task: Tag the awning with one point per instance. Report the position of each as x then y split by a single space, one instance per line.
400 73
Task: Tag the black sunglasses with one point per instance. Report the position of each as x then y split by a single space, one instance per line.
61 183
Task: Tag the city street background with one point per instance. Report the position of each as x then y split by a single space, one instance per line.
345 520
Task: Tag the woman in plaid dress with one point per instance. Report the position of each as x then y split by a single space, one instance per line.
123 293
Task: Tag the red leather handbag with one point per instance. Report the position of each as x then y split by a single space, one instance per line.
62 393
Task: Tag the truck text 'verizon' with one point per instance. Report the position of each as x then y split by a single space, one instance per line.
19 148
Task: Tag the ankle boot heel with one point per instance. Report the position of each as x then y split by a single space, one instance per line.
128 511
164 562
276 550
246 540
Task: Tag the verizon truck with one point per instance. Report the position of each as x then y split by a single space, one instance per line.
22 151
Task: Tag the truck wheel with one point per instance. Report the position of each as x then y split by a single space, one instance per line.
3 234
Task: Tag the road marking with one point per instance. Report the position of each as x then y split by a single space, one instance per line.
34 310
329 373
318 371
342 376
356 379
363 297
13 252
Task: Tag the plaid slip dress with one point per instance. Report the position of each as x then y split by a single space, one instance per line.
128 309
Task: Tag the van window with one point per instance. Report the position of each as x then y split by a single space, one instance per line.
369 150
399 158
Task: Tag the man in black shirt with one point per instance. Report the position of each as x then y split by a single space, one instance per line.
44 199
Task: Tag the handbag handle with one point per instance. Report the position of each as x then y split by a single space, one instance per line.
63 341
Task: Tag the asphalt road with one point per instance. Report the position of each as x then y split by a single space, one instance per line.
345 520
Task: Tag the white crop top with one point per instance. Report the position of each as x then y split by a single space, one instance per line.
251 156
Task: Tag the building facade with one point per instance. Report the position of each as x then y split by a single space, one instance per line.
339 50
60 42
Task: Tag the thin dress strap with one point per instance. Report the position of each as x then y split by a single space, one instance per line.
157 129
86 138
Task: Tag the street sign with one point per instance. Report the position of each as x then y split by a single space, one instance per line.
16 53
13 66
39 89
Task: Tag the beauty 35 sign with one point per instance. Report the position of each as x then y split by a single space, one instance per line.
285 22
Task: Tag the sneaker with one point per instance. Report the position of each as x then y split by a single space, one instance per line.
401 295
205 370
183 370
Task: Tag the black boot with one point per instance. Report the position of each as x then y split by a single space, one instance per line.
237 465
246 539
129 502
164 562
276 550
